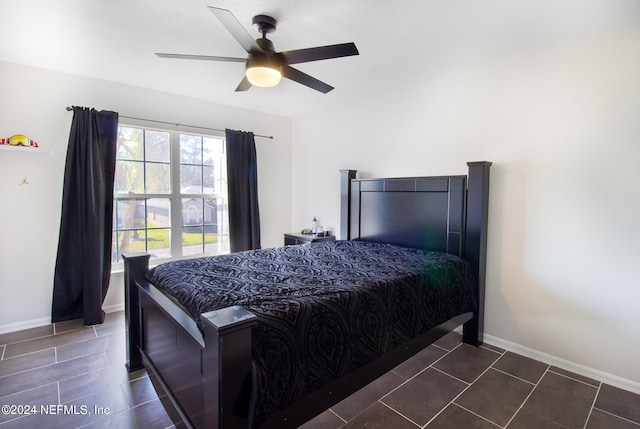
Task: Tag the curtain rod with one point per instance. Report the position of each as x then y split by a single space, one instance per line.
69 109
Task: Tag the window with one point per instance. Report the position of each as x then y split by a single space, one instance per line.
170 194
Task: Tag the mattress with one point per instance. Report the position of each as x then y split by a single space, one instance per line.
324 309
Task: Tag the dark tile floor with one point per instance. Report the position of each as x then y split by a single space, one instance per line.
70 376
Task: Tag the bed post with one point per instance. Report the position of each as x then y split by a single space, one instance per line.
226 367
476 242
345 202
135 266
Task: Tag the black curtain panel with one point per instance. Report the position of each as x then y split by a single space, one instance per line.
83 264
242 183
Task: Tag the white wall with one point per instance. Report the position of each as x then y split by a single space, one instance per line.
562 126
32 102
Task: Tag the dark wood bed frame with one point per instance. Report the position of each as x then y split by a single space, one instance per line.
207 375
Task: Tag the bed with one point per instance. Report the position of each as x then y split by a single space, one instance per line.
291 331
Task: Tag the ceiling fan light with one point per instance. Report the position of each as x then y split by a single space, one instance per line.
264 76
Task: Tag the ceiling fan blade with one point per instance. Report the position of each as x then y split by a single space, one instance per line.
320 53
201 57
236 29
306 80
244 85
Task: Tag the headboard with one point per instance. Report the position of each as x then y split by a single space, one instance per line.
422 212
432 213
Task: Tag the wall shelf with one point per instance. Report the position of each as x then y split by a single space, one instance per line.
34 150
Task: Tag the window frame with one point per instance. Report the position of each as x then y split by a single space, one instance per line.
174 196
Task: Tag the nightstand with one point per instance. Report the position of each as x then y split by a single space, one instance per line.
292 238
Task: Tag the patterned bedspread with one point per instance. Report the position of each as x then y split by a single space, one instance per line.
324 309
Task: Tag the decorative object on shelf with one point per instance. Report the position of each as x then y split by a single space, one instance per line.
314 225
19 140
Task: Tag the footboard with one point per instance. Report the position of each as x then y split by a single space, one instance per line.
206 375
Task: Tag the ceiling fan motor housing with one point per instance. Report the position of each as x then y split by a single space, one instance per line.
270 61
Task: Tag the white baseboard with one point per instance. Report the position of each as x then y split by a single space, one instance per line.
27 324
113 308
577 368
35 323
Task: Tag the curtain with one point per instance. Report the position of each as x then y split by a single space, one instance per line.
242 183
83 263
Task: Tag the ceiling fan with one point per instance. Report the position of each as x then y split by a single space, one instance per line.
264 66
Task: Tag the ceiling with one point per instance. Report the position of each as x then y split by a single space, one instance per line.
399 42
